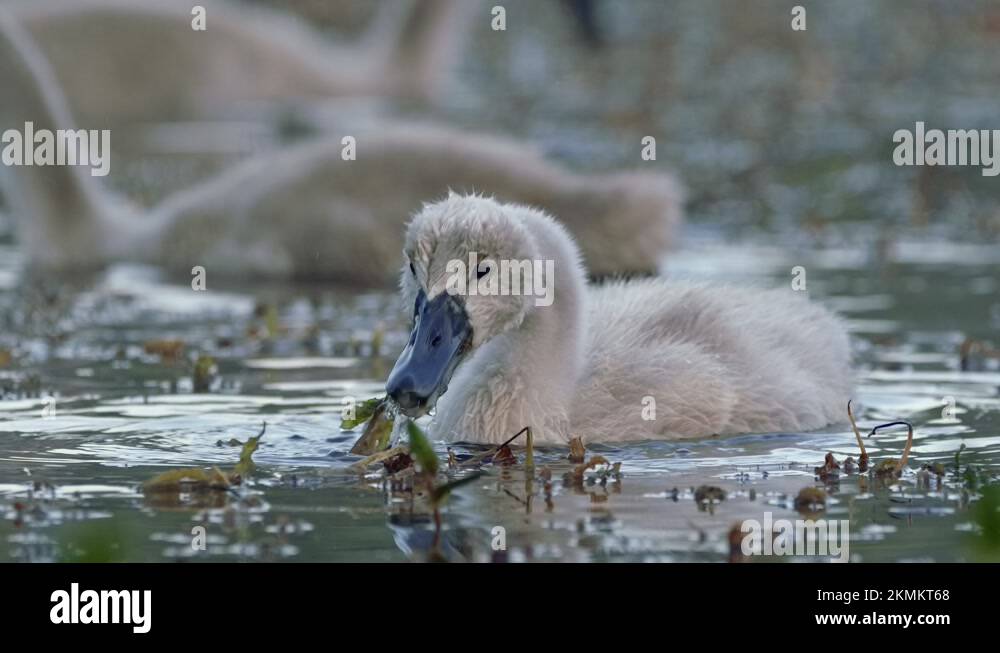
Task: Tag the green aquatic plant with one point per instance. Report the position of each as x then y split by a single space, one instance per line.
422 451
985 542
199 480
380 413
971 478
362 413
428 463
246 466
988 516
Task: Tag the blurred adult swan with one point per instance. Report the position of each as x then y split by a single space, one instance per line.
708 359
127 61
306 212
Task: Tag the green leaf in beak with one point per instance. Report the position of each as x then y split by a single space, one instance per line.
362 413
378 432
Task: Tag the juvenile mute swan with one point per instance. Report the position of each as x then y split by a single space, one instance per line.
124 61
714 359
305 212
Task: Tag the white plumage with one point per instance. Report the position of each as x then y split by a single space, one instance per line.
714 359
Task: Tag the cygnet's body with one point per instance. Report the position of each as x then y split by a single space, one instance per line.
649 359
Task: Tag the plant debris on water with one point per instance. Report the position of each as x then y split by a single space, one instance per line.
204 373
491 453
427 462
890 467
168 351
379 457
970 347
709 494
197 479
576 475
863 457
830 470
398 463
504 456
810 499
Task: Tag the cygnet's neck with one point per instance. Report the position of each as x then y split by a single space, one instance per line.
64 216
527 376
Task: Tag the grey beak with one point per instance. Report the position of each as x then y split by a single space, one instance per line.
441 334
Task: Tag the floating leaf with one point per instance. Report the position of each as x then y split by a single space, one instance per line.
193 479
197 479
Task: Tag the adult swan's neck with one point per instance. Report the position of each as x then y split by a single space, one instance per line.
64 216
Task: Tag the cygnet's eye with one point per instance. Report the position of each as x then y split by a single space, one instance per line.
484 269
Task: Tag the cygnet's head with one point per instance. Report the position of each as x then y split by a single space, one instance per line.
452 315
